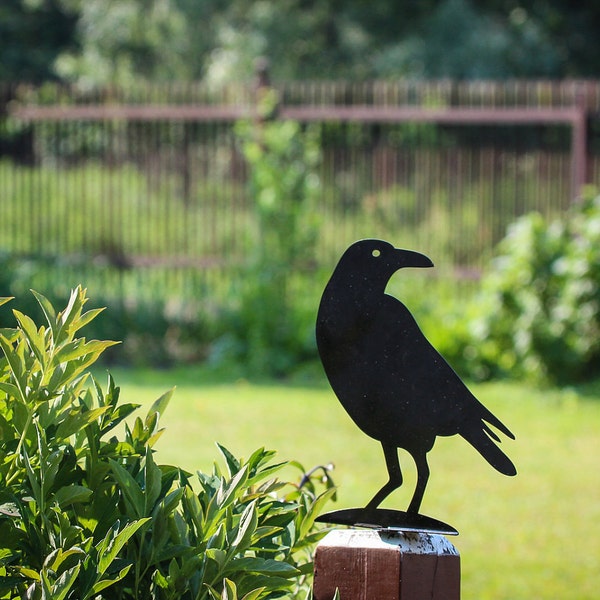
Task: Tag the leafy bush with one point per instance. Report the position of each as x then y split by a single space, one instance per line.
267 325
86 512
538 315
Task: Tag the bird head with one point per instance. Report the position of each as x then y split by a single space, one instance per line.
377 260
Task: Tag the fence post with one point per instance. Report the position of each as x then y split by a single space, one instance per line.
386 565
579 145
265 112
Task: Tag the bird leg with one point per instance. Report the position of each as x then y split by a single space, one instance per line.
422 478
393 467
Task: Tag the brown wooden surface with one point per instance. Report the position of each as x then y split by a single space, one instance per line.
369 565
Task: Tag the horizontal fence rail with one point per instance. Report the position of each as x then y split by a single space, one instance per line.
150 183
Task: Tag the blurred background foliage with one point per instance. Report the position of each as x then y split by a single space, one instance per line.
106 41
537 312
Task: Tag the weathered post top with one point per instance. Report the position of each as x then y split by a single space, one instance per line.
370 565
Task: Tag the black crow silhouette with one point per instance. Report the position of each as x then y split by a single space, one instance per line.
392 382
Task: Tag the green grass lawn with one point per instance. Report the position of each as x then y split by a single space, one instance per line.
533 536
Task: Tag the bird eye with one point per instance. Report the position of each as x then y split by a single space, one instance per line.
376 253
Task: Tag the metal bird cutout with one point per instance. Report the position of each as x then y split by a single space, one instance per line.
393 383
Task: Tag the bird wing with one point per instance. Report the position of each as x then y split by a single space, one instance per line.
434 399
411 365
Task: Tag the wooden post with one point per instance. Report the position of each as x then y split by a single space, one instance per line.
372 565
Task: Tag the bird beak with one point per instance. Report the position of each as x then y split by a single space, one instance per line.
409 258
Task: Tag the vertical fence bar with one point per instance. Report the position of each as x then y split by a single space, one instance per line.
579 146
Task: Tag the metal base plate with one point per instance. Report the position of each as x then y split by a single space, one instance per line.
382 518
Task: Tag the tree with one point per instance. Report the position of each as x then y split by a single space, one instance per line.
33 34
456 40
128 40
119 41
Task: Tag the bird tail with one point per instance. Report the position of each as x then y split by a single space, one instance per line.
481 437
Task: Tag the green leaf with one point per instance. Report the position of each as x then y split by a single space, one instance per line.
246 528
260 457
315 509
80 349
77 420
265 566
70 314
70 494
49 464
113 542
48 311
10 389
213 593
160 580
138 430
56 558
217 540
62 586
266 472
229 590
27 572
233 464
193 510
35 338
152 482
113 418
228 491
154 438
46 585
218 555
160 404
88 316
170 502
70 351
254 594
33 480
131 491
16 363
265 532
271 583
105 583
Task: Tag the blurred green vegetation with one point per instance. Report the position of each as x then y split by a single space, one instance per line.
537 314
182 40
81 210
186 281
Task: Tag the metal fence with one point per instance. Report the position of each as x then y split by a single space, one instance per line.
148 184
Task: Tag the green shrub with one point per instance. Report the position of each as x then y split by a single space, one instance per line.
267 325
86 511
538 315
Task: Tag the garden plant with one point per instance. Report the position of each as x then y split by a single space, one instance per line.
537 315
86 511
